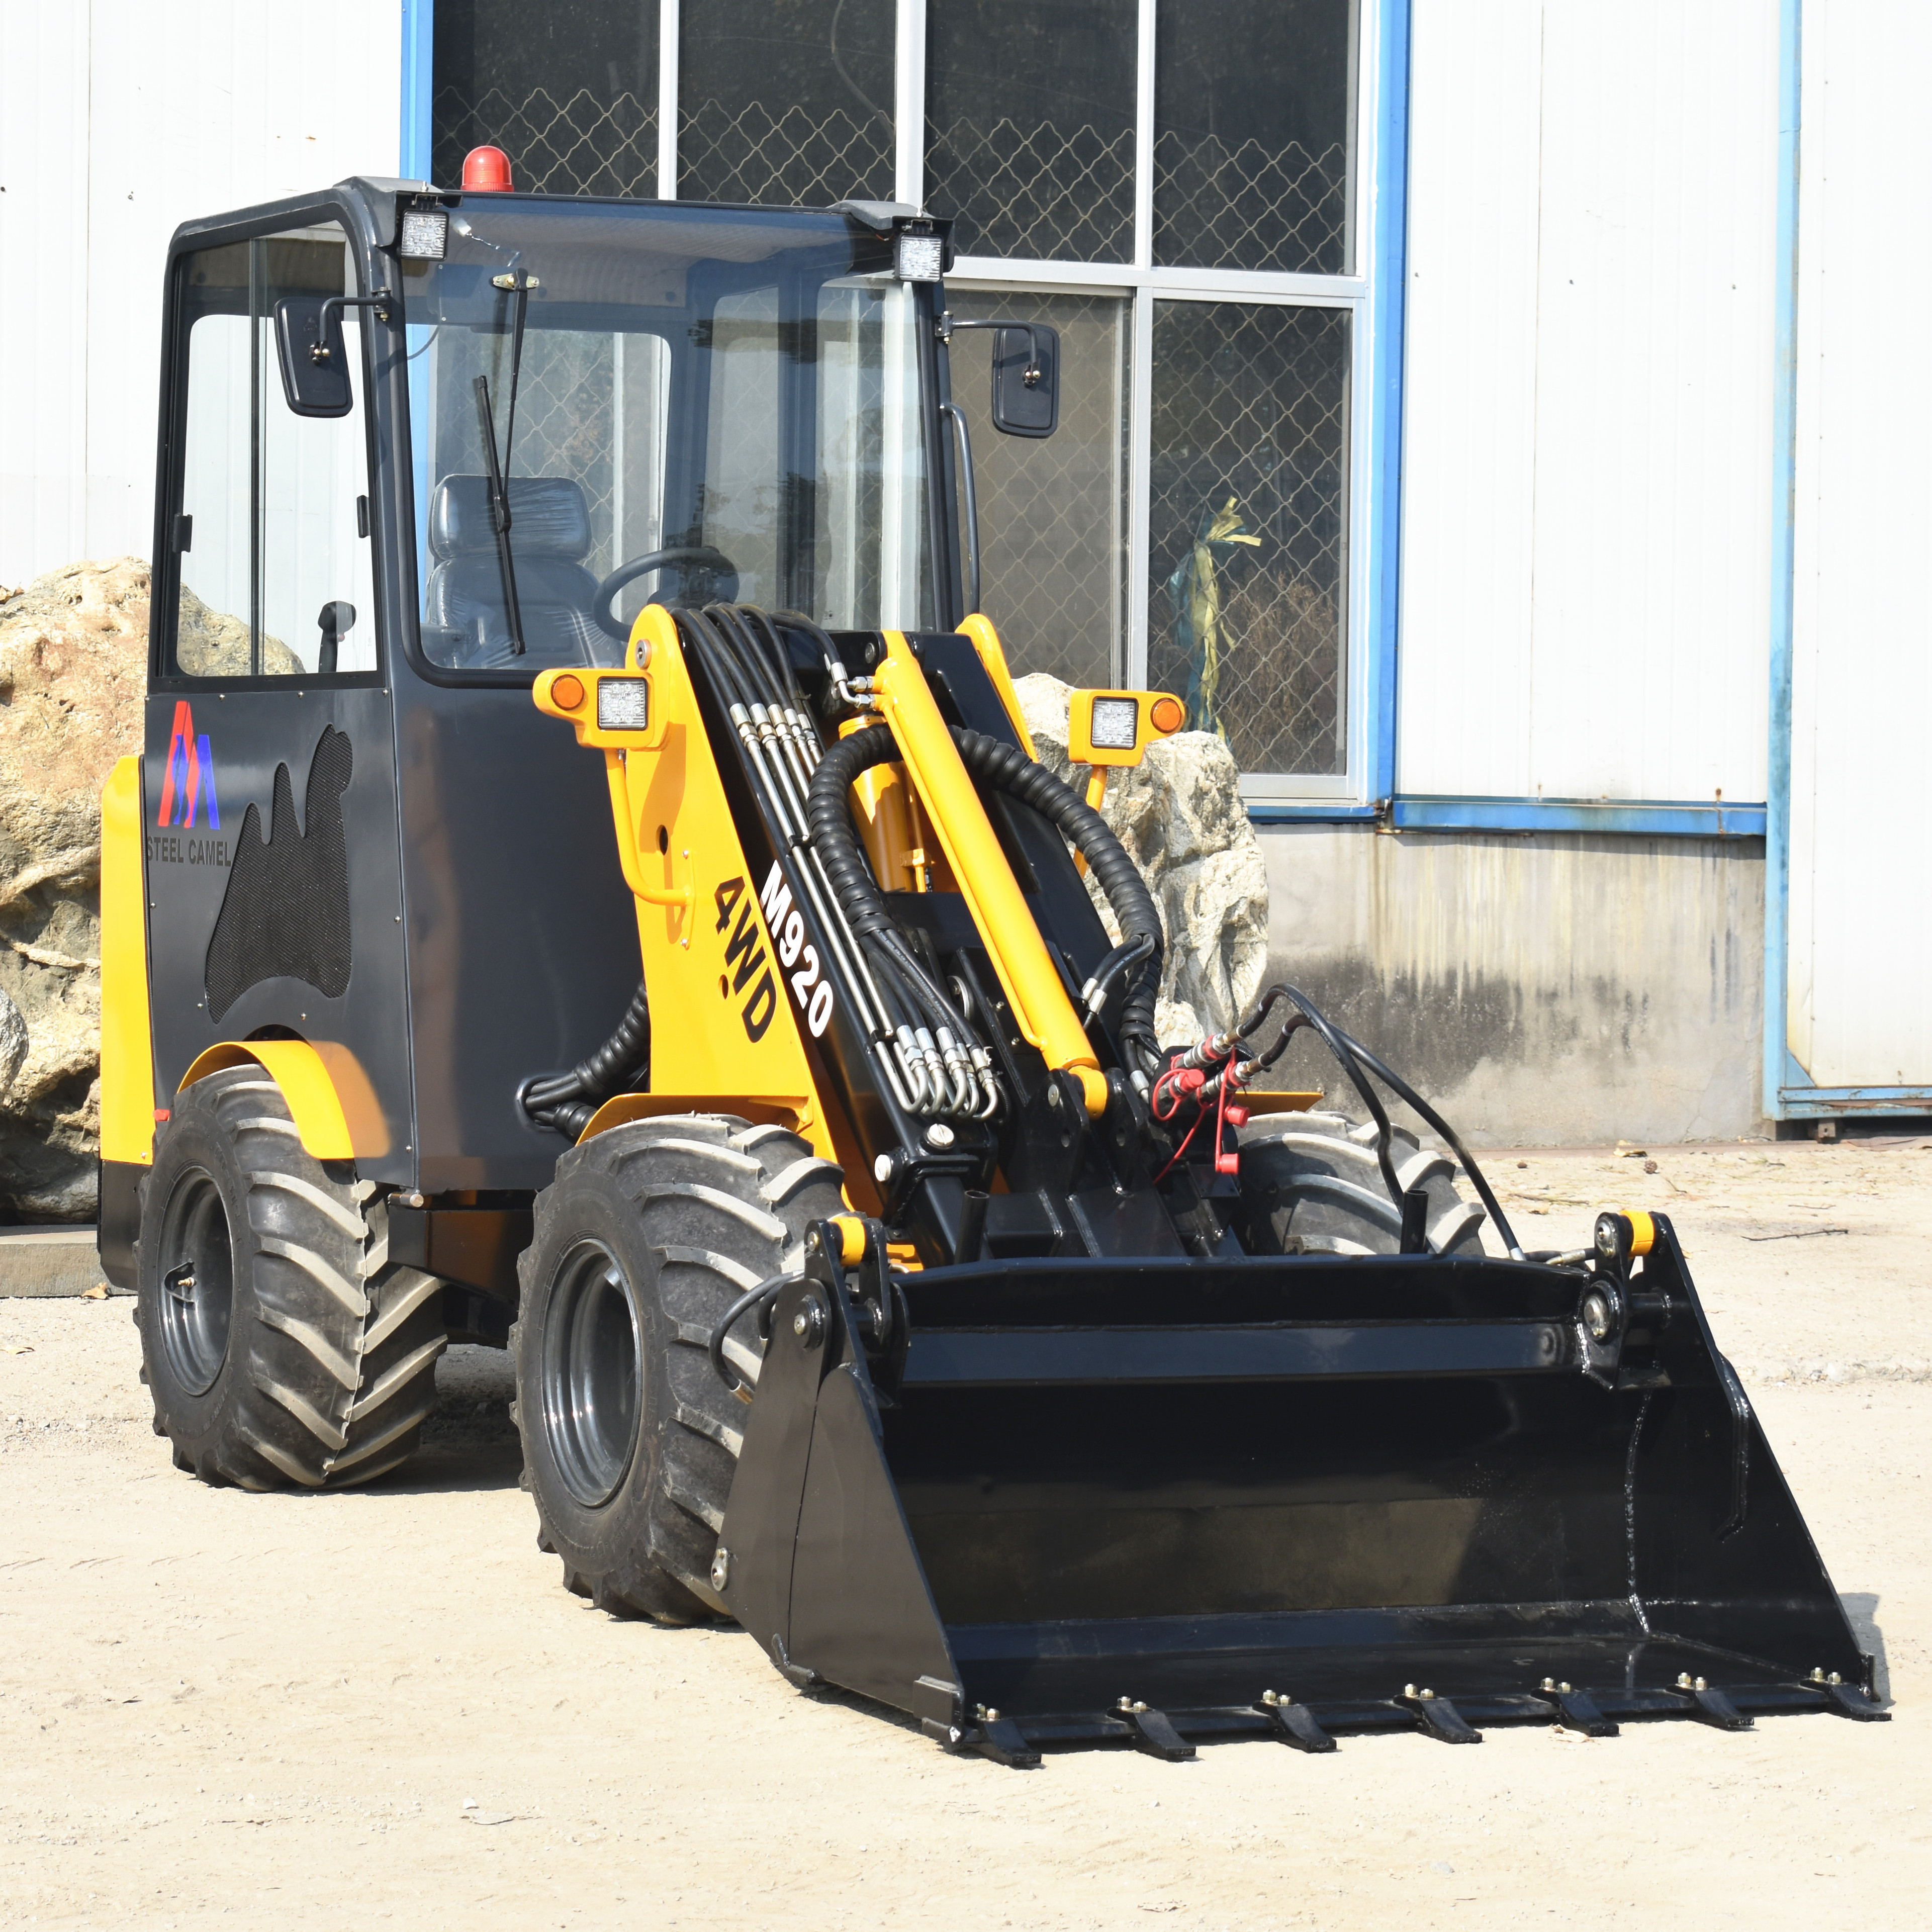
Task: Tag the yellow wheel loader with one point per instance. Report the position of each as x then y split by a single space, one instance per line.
547 588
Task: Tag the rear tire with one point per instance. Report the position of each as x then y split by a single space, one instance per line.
1311 1184
648 1234
279 1344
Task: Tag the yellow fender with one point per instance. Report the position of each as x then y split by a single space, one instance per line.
314 1081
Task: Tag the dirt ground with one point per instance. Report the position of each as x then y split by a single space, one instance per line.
381 1705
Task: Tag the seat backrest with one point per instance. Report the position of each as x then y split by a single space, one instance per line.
550 536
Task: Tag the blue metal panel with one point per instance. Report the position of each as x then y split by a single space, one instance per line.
1784 513
1831 1103
419 53
1696 819
1388 288
1649 818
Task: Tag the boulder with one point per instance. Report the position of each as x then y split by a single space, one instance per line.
13 1042
1179 815
73 649
211 643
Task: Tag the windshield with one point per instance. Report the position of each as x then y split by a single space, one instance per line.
706 406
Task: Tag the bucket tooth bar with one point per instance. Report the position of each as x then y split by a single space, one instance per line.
949 1500
1174 1735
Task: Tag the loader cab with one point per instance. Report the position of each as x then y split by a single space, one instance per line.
416 447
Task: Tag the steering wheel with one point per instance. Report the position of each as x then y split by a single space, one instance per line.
713 578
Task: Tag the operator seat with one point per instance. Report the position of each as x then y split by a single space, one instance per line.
550 537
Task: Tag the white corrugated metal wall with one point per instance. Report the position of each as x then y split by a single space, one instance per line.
1861 917
1586 559
124 119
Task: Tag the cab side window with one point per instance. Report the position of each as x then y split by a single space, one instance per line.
270 507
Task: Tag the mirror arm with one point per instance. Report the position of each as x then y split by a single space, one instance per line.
318 350
947 326
964 442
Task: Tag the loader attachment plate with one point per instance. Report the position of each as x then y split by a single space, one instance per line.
1163 1501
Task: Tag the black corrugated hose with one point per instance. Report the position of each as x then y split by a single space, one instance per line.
1007 770
1011 771
828 810
566 1101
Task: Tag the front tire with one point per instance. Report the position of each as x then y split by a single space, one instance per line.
1312 1184
647 1235
279 1343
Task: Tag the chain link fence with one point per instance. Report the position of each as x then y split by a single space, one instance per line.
1053 513
1247 556
749 154
1249 429
1041 192
580 145
1250 207
588 146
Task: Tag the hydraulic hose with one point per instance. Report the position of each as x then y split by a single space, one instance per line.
1009 769
566 1101
829 813
1355 1058
781 756
760 1297
1476 1178
1339 1045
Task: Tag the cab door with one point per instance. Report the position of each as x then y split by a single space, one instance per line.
269 781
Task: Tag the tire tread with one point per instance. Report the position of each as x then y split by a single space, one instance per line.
332 1353
720 1205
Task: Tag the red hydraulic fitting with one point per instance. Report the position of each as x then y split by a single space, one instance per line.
1210 1052
1176 1084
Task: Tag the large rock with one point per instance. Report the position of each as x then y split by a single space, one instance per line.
73 675
1179 814
210 643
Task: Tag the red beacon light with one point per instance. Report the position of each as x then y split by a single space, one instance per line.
486 171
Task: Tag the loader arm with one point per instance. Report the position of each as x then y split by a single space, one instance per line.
930 1040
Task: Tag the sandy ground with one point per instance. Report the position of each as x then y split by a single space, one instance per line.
296 1710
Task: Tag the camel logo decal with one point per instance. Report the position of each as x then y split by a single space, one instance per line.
286 911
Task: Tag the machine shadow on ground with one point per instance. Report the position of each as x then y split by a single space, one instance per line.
1861 1607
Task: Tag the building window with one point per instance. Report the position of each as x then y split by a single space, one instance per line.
1030 127
569 90
1254 115
786 103
1246 584
1182 190
1053 522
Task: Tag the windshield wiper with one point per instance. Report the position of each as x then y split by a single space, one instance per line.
498 472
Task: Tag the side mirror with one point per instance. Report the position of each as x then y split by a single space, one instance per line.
1026 379
314 364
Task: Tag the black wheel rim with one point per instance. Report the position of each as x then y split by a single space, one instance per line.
593 1370
197 1282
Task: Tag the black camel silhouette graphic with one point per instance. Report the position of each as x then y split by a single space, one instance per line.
286 910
